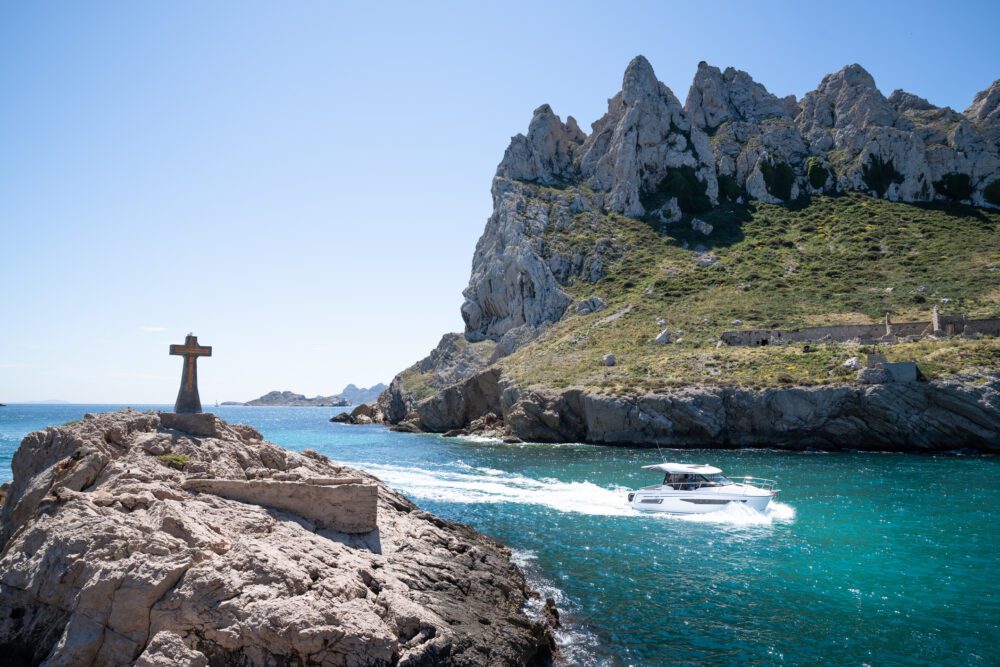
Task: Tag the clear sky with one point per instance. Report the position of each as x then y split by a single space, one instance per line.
302 184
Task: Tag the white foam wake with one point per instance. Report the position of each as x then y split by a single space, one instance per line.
461 483
738 514
468 484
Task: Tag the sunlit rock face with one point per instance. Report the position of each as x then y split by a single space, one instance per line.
731 142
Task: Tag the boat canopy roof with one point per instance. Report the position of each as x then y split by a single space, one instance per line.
684 468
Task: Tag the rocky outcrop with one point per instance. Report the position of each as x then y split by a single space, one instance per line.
545 155
916 416
753 135
458 405
901 148
637 146
124 542
512 285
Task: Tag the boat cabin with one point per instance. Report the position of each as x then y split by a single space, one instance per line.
689 476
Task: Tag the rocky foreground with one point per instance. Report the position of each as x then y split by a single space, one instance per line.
115 552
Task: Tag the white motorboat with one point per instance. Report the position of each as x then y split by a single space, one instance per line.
689 488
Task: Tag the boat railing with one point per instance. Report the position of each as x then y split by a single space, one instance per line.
759 482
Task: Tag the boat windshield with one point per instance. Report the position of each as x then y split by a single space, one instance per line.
690 482
717 479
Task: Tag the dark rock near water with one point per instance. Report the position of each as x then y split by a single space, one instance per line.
960 413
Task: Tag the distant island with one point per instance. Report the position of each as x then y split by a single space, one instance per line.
357 395
351 395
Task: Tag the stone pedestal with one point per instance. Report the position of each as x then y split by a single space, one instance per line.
201 424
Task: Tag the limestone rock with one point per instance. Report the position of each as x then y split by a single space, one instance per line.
109 558
852 364
662 338
594 304
644 133
545 155
609 360
701 226
752 131
717 97
511 284
985 105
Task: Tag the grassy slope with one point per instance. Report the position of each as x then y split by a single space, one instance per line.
832 260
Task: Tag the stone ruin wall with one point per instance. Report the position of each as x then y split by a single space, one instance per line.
864 333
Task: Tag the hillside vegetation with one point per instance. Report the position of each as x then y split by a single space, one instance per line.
827 260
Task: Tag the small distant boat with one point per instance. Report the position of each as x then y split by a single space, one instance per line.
689 488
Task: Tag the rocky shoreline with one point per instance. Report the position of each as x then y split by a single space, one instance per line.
123 542
944 415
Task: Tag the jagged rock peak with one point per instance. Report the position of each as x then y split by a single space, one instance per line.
545 155
643 136
901 101
846 98
985 105
716 97
639 80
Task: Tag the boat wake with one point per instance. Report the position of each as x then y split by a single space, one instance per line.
737 514
463 483
459 482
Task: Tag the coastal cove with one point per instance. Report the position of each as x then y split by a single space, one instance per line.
866 558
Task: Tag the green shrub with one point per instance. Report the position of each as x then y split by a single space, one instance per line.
955 186
879 174
818 174
729 189
175 460
682 183
992 192
778 179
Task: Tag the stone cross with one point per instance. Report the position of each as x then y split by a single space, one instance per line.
187 398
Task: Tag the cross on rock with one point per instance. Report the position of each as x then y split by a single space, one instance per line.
187 398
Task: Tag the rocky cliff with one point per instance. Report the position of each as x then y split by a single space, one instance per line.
959 413
127 542
737 209
731 141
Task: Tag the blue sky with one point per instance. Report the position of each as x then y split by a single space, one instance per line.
302 184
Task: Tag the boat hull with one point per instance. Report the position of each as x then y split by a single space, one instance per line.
697 503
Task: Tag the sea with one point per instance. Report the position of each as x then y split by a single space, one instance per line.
866 559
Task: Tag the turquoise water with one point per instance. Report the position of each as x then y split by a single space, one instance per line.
868 558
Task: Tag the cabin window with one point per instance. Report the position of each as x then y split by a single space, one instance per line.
681 482
717 479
